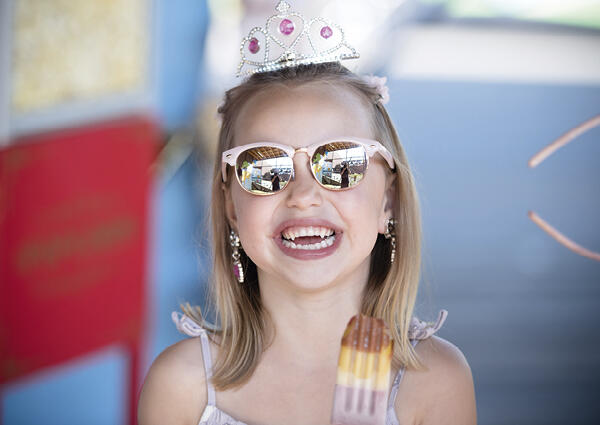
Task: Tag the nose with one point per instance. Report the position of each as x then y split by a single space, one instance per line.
304 191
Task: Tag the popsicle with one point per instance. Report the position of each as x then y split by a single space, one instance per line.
363 374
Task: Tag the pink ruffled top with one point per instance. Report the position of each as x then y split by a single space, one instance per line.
212 415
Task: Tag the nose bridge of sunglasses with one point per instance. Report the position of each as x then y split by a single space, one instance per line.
302 162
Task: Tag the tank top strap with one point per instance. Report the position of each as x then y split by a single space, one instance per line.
191 328
397 379
418 331
206 356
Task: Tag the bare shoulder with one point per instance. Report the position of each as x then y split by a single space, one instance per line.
444 392
174 390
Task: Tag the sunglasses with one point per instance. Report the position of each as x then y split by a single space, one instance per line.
267 168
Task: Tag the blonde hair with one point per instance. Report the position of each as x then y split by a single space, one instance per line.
391 290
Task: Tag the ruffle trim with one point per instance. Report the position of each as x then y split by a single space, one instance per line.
419 329
186 325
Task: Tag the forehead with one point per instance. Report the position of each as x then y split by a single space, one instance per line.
302 115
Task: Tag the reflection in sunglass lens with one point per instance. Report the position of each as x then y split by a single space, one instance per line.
339 165
264 170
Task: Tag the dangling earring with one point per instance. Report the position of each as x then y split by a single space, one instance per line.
390 233
238 271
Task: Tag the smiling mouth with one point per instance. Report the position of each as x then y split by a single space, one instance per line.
310 238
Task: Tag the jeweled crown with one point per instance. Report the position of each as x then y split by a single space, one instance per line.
288 39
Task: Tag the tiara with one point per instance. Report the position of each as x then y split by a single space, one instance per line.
288 39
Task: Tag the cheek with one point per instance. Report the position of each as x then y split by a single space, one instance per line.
371 194
360 208
246 211
253 218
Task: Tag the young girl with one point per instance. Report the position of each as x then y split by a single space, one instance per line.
337 234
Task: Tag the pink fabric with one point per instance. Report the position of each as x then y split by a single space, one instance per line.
212 415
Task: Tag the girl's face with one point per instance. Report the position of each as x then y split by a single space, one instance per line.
299 117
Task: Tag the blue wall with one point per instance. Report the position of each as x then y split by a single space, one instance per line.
523 308
181 28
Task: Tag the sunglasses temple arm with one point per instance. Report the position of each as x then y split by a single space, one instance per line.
387 156
224 164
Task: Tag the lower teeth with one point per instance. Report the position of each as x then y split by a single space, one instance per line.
327 242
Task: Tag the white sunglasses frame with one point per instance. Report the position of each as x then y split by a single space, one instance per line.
371 147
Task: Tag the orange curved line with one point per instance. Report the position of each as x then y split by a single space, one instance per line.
563 140
542 155
562 239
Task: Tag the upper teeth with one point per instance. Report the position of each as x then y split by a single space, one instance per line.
292 233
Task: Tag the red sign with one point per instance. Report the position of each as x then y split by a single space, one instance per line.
73 242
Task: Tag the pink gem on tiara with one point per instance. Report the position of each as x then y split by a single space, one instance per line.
326 31
286 27
253 45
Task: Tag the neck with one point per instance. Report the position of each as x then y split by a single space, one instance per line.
307 325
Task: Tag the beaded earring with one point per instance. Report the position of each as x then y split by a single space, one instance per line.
236 265
390 233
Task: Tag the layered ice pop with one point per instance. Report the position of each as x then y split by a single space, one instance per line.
363 373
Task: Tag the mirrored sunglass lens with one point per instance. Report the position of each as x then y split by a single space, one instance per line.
264 170
339 165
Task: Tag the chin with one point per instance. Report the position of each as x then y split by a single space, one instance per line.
315 280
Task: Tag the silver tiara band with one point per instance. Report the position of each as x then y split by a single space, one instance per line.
288 39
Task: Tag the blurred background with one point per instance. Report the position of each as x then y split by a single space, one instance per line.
106 108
